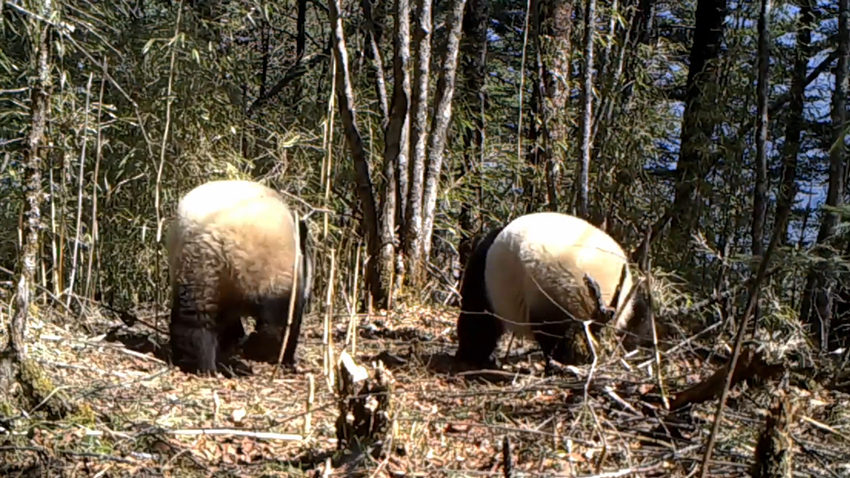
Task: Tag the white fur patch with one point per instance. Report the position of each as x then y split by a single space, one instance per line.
545 255
232 239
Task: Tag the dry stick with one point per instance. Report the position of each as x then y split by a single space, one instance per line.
506 456
311 394
522 81
645 265
328 143
54 234
237 433
168 101
351 333
391 290
80 194
327 335
161 165
586 402
736 352
292 295
97 157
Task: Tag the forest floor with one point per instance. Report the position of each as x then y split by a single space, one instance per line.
150 419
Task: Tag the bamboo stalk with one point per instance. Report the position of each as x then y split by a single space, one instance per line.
327 336
292 296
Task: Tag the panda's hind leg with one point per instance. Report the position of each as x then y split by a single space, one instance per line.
551 327
271 314
194 339
230 331
478 331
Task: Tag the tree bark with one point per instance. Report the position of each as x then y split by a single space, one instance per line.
395 141
345 98
760 191
440 123
473 65
32 166
587 114
794 124
816 309
300 31
553 24
373 54
22 380
697 123
411 235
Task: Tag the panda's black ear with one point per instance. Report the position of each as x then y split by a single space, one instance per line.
304 234
306 244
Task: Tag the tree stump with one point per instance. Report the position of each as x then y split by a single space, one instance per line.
364 403
775 448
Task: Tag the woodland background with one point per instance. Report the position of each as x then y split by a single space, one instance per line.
709 136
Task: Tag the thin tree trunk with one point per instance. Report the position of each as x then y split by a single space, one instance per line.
440 123
373 54
33 195
697 123
300 31
816 304
760 191
395 150
587 114
473 65
553 22
23 382
345 98
411 235
794 124
399 108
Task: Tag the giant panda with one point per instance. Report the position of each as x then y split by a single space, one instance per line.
231 250
528 278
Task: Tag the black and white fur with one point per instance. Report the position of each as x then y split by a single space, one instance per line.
231 253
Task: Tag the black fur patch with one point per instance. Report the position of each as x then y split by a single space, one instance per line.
478 331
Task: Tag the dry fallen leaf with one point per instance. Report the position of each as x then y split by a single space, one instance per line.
457 428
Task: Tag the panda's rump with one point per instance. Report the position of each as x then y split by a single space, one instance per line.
259 249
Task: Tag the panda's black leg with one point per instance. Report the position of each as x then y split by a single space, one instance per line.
271 314
193 347
478 335
478 331
194 341
550 325
230 332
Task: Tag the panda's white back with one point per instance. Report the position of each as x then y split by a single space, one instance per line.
215 196
246 222
541 255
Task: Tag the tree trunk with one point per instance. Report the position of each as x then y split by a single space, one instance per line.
395 141
697 123
373 54
440 124
760 191
794 124
412 232
587 114
345 98
816 303
22 380
300 31
473 64
32 165
553 21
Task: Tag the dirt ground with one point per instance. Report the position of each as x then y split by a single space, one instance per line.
606 420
